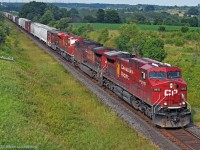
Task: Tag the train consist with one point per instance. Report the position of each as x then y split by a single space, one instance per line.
155 88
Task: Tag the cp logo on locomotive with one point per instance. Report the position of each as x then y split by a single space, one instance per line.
170 92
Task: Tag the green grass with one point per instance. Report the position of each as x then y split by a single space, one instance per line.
168 28
98 26
42 105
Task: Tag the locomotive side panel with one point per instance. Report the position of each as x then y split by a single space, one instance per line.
63 42
124 72
71 47
89 57
78 52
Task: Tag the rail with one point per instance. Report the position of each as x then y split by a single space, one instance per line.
188 104
185 139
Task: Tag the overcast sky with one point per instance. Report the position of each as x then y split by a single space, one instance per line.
133 2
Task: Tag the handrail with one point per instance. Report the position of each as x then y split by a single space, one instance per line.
190 107
188 104
156 105
102 70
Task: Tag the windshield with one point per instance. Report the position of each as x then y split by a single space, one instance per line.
157 75
174 74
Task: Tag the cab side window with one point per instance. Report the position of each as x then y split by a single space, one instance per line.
143 75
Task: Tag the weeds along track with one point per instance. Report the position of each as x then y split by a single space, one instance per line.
165 139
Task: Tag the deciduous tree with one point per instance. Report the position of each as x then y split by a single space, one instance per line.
104 35
112 16
146 44
193 11
29 10
63 23
149 8
47 17
100 15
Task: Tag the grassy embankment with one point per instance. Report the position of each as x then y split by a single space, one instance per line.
98 26
43 105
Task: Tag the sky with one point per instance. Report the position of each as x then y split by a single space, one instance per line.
132 2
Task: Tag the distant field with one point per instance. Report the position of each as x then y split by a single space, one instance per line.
98 26
168 28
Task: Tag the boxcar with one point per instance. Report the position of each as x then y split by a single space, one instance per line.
25 24
40 31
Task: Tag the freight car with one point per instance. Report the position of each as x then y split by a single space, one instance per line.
24 23
40 31
155 88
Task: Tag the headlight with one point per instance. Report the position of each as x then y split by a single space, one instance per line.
183 103
171 85
165 103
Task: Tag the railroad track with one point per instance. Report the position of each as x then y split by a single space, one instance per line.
185 139
164 138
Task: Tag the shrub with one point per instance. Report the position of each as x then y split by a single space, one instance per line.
161 28
179 42
192 36
154 48
189 50
169 41
104 35
184 29
2 36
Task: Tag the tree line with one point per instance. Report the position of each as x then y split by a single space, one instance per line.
144 44
142 14
48 13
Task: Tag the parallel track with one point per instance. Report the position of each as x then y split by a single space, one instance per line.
183 138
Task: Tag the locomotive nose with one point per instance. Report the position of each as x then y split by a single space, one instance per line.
175 94
171 90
